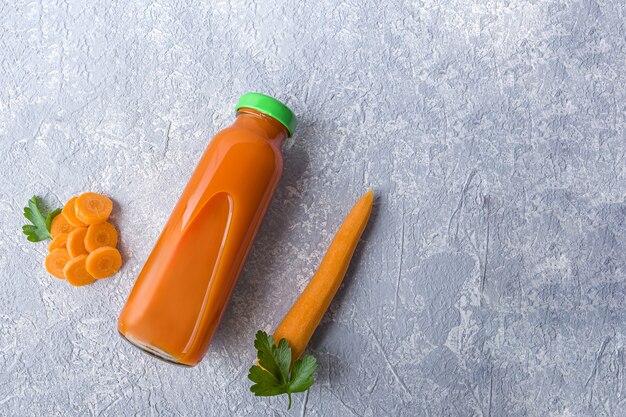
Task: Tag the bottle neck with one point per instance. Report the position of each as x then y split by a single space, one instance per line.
261 124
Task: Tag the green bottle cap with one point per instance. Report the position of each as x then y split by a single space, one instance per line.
271 107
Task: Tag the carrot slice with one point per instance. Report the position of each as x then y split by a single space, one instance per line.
76 273
304 316
56 261
69 212
93 208
58 242
76 242
99 235
104 262
60 225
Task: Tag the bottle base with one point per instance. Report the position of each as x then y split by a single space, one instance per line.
155 352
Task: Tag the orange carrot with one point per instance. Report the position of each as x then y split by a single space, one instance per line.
56 261
99 235
69 212
76 242
60 225
93 208
104 262
76 273
59 242
305 314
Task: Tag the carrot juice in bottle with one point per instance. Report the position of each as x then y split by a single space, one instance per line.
182 291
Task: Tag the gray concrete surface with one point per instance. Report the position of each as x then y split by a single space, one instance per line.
491 281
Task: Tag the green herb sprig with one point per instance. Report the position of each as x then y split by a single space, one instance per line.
40 228
274 375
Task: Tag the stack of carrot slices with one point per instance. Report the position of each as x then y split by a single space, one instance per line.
83 241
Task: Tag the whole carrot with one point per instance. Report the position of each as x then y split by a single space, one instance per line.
278 370
300 322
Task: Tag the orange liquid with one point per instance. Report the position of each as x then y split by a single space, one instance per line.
182 291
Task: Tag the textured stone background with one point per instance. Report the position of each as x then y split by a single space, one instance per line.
491 281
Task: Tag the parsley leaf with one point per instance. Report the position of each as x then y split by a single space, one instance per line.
302 373
273 376
40 228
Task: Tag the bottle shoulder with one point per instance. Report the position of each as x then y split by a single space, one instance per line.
235 136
